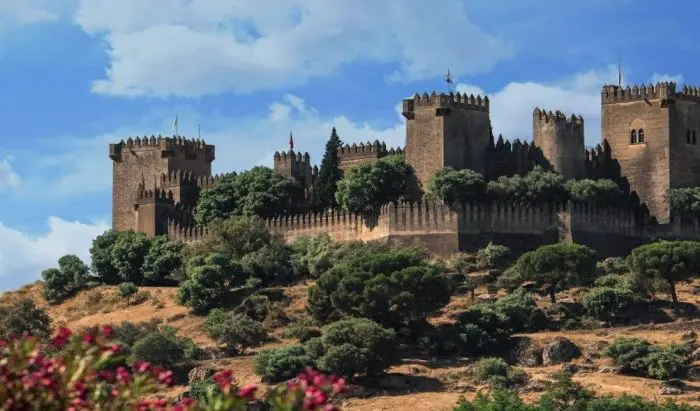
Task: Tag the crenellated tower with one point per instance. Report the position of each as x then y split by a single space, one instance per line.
446 130
561 140
142 162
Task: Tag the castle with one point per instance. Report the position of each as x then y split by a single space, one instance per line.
648 144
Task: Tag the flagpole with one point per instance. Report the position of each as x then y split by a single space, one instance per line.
199 131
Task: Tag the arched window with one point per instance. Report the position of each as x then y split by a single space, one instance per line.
687 136
633 137
695 140
640 135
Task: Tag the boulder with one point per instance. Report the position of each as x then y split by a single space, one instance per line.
595 350
199 373
525 352
694 373
672 387
559 350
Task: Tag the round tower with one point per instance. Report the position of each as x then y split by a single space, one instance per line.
561 140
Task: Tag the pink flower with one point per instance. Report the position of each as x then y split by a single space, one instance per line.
88 338
107 330
61 337
248 391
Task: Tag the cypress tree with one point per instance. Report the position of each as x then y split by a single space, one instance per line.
323 193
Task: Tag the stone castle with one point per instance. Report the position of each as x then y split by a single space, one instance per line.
648 144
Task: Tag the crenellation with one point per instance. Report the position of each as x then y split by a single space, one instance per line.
442 100
612 94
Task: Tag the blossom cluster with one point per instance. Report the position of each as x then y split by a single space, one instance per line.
88 372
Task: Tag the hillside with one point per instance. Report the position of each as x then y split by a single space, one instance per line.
417 383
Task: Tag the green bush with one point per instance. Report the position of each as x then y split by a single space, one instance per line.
510 279
280 364
301 332
24 316
201 389
612 265
370 348
606 303
452 185
613 281
493 256
165 349
60 283
482 330
127 290
365 188
255 307
237 331
521 311
313 256
497 373
639 357
539 185
163 258
600 193
209 279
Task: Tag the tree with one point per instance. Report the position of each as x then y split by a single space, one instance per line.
685 201
453 185
538 185
237 331
326 184
603 193
162 259
128 255
101 257
70 276
365 188
209 278
217 202
558 266
127 290
671 261
23 316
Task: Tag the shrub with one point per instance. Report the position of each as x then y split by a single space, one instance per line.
496 372
22 317
600 193
664 363
536 186
201 389
280 364
255 307
613 281
366 187
629 353
164 348
481 330
639 357
237 331
453 185
127 290
163 258
271 263
612 265
301 332
606 303
493 256
521 311
128 255
313 256
210 277
510 279
62 282
370 347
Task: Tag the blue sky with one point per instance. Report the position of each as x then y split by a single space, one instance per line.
78 74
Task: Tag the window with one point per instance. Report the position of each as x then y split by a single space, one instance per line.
633 137
640 135
695 140
687 136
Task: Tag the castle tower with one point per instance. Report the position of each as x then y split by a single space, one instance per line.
446 130
561 141
351 156
143 161
294 165
650 133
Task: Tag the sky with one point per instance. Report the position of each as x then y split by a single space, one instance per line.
76 75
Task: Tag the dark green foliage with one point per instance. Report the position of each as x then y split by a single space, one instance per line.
482 330
565 395
271 264
164 348
62 282
365 188
127 290
613 265
329 174
163 259
237 331
255 307
312 256
613 281
558 266
255 192
392 288
639 357
128 333
521 310
201 389
685 201
23 316
671 261
497 373
302 332
453 185
128 255
604 303
510 279
235 237
601 193
209 278
493 256
355 346
280 364
538 185
101 257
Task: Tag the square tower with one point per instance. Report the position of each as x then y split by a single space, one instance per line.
561 140
637 124
446 130
144 161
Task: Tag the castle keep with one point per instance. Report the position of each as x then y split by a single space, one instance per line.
649 143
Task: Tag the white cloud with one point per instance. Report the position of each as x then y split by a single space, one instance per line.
199 47
678 79
512 106
8 177
23 257
25 12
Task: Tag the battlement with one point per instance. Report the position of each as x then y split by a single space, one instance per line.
153 196
689 93
167 145
444 101
292 155
186 233
665 90
180 177
557 117
375 149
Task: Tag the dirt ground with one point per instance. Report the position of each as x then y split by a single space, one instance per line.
419 384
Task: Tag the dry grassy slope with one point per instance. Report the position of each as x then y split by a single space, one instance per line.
425 384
